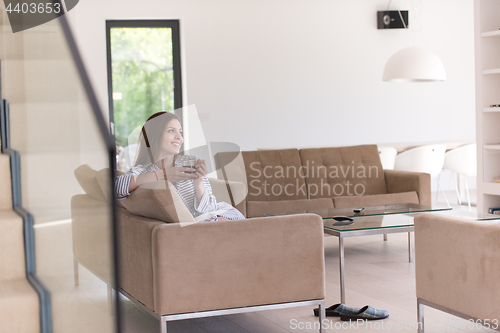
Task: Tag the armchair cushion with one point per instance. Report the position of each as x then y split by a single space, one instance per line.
97 184
87 178
103 178
158 202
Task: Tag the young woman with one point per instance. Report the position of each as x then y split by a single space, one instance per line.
159 145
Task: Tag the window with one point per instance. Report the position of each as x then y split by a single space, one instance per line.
144 77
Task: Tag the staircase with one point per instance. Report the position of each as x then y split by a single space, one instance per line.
19 304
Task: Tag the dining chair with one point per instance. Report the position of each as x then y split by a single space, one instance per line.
462 161
428 159
387 157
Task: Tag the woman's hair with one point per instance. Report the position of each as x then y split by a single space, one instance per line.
151 136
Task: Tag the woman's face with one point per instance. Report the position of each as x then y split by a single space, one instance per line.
172 138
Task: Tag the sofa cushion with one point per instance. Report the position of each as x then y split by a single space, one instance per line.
272 175
156 202
104 181
86 177
258 208
376 200
341 171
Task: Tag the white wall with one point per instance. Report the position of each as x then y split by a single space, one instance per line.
301 73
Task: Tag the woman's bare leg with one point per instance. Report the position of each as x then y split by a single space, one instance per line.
221 218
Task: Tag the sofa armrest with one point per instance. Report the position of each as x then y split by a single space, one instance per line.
405 181
229 264
91 235
239 191
92 245
135 255
457 264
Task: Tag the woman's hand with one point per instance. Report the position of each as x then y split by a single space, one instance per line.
201 172
175 174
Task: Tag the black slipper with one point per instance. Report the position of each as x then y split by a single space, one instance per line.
337 309
366 313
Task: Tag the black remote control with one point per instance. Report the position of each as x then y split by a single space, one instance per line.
343 218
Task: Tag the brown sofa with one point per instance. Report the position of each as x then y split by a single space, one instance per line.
457 265
315 178
176 271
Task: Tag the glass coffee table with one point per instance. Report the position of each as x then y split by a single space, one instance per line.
370 220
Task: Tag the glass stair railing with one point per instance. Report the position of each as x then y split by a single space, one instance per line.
55 127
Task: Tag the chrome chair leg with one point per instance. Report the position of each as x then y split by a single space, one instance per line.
444 195
467 190
322 316
420 316
459 199
163 323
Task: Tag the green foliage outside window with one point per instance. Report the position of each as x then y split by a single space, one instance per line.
142 72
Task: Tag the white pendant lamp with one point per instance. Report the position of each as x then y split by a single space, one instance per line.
414 64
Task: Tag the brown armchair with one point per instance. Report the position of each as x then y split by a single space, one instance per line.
204 269
457 265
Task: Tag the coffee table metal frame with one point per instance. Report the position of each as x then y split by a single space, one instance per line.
365 232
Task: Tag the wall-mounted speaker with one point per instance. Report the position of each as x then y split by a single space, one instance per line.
392 19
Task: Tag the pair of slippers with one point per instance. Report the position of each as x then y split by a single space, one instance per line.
353 313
